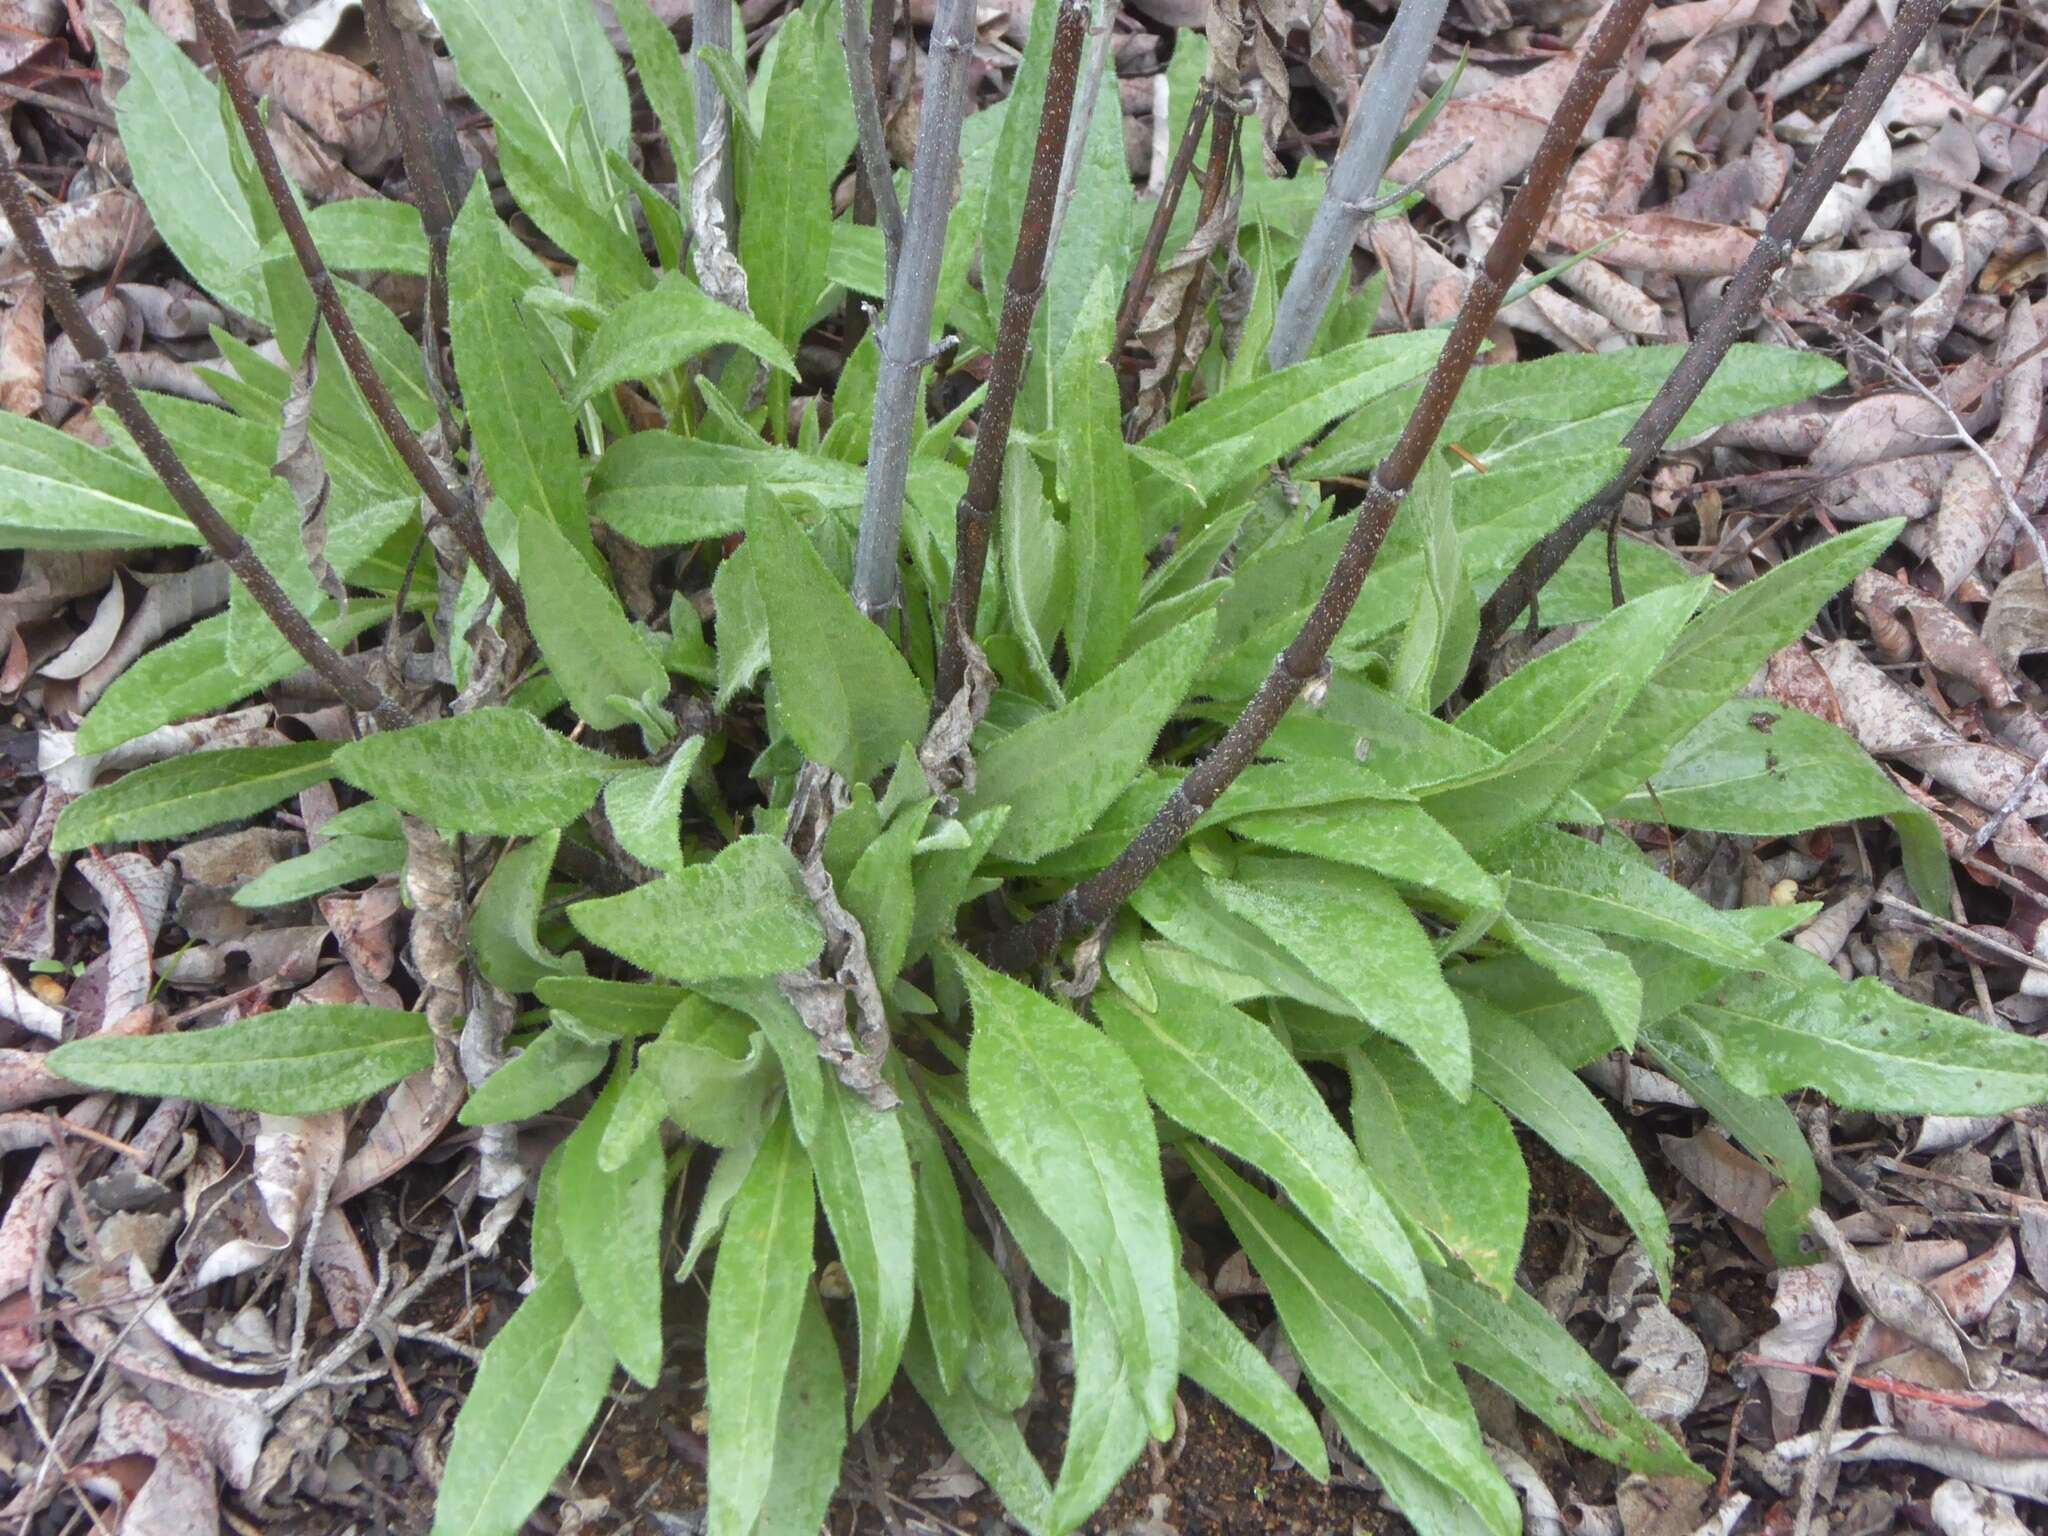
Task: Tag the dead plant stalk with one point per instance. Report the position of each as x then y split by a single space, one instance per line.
453 507
234 551
1091 903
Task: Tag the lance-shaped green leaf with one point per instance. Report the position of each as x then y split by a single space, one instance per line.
1437 644
1066 1110
645 808
1517 1070
742 914
298 1061
1359 1352
551 82
191 675
1618 652
987 1437
622 1008
1585 963
1511 417
663 77
728 1173
611 1230
1061 771
941 1241
522 428
186 794
1187 908
1226 1077
328 867
846 697
1318 912
757 1299
1757 770
810 1431
1509 1339
880 892
503 923
1453 1170
1220 1360
1762 1123
1105 1427
180 165
1862 1045
806 134
59 493
1095 481
1720 651
864 1183
539 1386
998 1362
1238 431
555 1065
716 1073
584 635
1393 838
1560 878
497 772
655 333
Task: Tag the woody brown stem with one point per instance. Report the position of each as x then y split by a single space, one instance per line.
340 674
1177 170
1091 903
974 520
454 508
1732 317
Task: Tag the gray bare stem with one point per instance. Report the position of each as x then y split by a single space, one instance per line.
1730 319
1354 179
904 336
234 551
454 508
872 148
1091 903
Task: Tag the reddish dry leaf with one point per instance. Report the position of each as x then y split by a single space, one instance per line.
93 642
1736 1182
22 351
313 168
1796 680
161 1474
1947 643
89 235
1973 504
1909 487
1889 722
1684 84
1505 123
411 1118
342 103
1655 242
1706 18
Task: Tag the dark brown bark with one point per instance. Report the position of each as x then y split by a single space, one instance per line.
1731 318
453 506
975 518
336 670
1091 903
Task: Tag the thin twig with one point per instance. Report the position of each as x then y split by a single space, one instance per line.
1831 1420
1091 902
1732 317
2009 808
1221 172
1177 170
58 105
903 336
873 149
975 518
456 509
1354 179
1901 375
431 155
221 537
